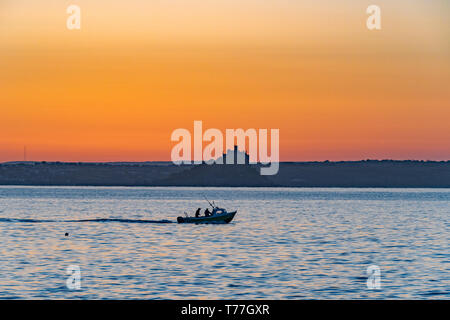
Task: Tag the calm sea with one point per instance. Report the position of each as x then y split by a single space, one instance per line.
285 243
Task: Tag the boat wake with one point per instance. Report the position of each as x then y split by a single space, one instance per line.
84 220
121 220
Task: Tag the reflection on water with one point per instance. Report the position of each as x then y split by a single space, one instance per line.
283 243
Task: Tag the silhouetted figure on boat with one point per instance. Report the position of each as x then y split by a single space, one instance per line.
207 213
197 213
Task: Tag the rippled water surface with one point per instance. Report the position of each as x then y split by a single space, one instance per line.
283 244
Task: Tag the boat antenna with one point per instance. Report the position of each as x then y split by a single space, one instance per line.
208 201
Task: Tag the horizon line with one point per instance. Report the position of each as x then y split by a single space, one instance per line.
170 162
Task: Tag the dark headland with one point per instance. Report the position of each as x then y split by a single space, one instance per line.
368 173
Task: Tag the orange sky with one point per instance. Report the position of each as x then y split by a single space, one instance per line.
137 70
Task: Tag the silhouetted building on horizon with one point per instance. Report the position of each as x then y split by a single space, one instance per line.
239 157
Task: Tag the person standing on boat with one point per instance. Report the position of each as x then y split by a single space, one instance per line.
197 213
207 213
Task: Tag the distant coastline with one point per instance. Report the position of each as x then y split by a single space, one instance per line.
366 173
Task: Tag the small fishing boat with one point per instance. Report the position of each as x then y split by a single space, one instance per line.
217 216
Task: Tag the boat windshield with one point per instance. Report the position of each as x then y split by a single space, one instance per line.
219 210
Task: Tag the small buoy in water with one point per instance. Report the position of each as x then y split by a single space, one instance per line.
67 234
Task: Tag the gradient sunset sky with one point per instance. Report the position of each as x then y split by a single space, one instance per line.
138 69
